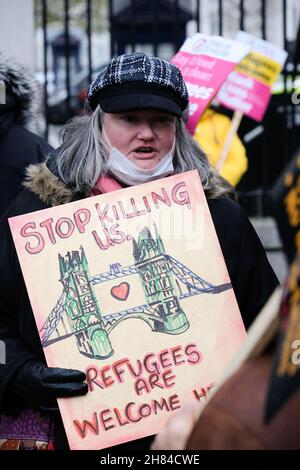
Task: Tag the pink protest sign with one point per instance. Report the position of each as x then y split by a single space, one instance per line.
205 63
248 87
130 287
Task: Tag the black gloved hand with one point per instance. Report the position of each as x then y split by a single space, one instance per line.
40 385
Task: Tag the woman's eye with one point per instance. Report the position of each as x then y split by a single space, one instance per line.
165 119
128 118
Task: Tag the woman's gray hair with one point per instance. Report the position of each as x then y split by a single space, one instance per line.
82 156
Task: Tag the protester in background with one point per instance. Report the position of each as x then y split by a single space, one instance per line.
210 133
133 133
18 145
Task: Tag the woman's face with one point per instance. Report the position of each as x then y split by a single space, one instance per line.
143 136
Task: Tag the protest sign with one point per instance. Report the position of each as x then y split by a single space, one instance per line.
286 207
248 88
130 287
205 63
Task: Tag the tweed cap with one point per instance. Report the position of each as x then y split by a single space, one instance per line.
137 81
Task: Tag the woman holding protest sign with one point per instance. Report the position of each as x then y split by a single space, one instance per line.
132 133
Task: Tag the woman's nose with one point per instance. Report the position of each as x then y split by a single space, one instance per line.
145 131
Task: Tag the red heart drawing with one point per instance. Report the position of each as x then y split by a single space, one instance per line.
121 291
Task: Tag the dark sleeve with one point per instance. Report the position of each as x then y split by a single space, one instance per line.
13 303
251 274
43 150
255 279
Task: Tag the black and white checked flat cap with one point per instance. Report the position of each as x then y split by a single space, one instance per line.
137 81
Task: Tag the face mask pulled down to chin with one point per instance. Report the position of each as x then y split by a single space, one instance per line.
128 173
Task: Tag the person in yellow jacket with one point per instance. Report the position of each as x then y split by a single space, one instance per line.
210 133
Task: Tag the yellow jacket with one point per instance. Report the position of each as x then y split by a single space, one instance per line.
210 133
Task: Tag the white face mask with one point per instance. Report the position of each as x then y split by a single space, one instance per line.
130 174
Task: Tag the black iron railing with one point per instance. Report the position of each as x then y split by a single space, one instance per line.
133 23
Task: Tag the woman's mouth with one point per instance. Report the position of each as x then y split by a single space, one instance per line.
145 152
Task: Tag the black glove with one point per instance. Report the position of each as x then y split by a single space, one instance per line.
40 385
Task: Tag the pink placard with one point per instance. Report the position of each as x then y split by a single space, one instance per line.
248 88
203 76
245 94
205 63
132 288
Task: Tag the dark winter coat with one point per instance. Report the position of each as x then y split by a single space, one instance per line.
252 277
18 146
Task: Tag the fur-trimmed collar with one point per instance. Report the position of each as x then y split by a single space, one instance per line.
48 187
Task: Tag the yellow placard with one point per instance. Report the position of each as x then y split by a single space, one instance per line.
259 67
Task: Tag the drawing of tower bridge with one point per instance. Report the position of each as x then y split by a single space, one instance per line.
165 282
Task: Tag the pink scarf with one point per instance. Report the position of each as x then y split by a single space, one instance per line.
105 184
